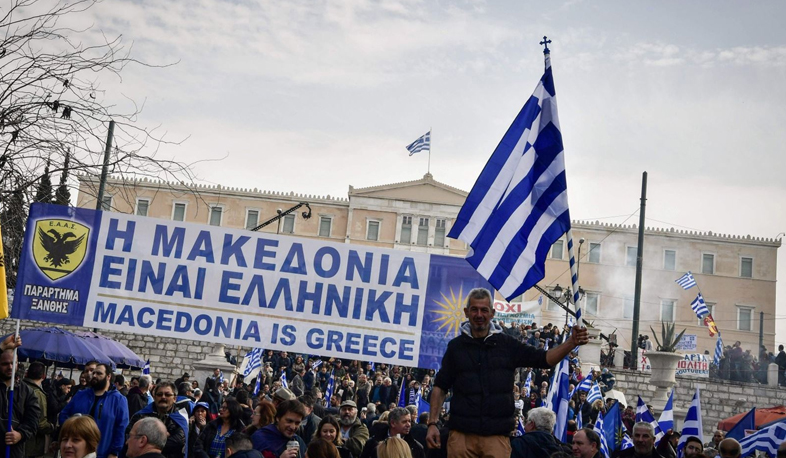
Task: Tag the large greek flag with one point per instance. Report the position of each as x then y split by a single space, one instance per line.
518 206
693 424
765 440
421 144
598 428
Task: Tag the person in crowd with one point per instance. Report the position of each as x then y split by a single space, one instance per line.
586 444
643 443
107 406
27 411
211 441
371 415
164 409
730 448
212 395
264 414
607 379
667 447
196 424
328 430
79 437
319 448
273 440
420 428
85 377
537 439
780 360
629 417
58 398
693 448
310 421
353 431
394 447
120 384
36 445
239 446
138 396
297 385
185 378
147 439
497 356
281 395
399 424
362 390
717 437
782 449
246 405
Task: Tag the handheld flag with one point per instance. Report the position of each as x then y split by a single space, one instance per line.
699 307
584 385
598 428
613 427
315 365
259 383
666 420
766 440
520 427
557 399
737 431
644 414
283 379
528 384
709 321
692 425
146 369
518 207
718 351
594 394
421 144
626 442
402 394
3 285
686 281
254 358
330 387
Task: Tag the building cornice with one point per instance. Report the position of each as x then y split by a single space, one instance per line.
708 236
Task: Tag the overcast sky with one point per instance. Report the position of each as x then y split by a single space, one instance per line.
314 96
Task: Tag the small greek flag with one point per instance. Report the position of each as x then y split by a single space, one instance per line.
686 281
585 385
146 369
594 394
528 384
643 414
259 383
666 419
718 351
699 307
373 367
330 387
315 365
220 377
284 382
254 358
421 144
520 427
626 442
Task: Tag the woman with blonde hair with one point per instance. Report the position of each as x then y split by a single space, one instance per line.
79 437
393 447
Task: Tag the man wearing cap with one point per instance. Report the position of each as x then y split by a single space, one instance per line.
353 431
197 424
281 395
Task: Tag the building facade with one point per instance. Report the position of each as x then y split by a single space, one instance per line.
735 274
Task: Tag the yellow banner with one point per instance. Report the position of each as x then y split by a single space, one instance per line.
3 285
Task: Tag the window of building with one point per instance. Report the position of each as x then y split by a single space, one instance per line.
288 224
406 229
746 267
215 216
667 307
594 253
252 219
106 203
669 260
423 231
179 212
556 249
711 308
141 207
325 223
553 306
439 233
708 263
592 302
372 230
745 318
627 307
631 254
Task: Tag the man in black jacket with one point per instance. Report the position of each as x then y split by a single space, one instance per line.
479 365
26 413
399 424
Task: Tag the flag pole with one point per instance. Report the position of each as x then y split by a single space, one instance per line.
11 391
430 134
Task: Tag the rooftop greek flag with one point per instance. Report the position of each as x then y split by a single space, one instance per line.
699 306
421 144
686 281
718 351
518 206
692 425
254 358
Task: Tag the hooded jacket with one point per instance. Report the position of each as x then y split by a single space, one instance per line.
481 372
111 417
269 439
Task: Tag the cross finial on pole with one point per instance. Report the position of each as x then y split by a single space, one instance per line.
545 44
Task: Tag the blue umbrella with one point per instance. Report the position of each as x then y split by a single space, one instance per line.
119 353
55 345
